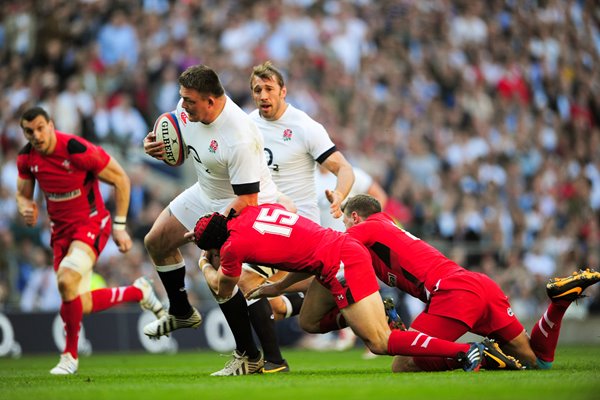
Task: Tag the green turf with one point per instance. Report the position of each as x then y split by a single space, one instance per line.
314 376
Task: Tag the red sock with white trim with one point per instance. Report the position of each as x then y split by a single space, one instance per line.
71 313
110 297
413 343
544 334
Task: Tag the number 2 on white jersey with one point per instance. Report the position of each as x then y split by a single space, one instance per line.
278 222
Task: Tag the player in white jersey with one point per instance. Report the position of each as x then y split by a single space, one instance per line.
227 150
294 145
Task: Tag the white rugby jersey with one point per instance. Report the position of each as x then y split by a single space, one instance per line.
292 145
327 180
228 154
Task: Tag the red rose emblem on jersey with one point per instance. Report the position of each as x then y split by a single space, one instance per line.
287 135
184 117
213 146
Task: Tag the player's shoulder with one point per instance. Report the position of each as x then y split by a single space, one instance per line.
25 150
254 115
73 144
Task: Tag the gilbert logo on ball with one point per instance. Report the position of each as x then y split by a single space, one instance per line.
168 131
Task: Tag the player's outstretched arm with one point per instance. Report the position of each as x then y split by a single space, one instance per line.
340 167
115 175
293 282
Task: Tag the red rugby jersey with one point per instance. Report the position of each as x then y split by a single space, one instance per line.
401 259
68 177
269 235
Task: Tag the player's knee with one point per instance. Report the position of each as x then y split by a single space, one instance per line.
68 284
279 308
404 364
151 243
308 325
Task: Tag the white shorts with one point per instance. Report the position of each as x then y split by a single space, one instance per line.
193 203
265 272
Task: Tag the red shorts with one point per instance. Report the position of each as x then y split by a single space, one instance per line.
94 232
354 279
478 302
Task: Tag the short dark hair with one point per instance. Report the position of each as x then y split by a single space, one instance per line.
32 113
363 204
267 70
202 79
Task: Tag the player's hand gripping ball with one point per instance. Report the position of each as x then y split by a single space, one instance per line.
168 131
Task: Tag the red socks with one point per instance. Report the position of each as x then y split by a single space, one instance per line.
110 297
544 334
413 343
71 313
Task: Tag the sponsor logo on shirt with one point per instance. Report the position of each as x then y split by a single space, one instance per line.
63 196
184 117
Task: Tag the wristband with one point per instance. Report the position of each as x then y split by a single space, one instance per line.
119 223
204 263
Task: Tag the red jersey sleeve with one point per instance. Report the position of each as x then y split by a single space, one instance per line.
88 156
23 163
231 262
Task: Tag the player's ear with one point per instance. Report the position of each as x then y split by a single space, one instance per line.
283 92
356 219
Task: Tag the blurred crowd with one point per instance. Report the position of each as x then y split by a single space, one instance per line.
480 119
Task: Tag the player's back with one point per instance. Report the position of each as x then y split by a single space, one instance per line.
401 259
272 236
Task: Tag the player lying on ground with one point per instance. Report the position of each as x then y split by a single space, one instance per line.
344 290
458 301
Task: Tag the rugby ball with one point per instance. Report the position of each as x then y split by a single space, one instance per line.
168 131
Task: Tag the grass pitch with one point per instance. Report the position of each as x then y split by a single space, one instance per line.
315 375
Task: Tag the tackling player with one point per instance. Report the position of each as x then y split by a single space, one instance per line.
344 291
458 301
67 169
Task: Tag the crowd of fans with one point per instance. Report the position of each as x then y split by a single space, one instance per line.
480 119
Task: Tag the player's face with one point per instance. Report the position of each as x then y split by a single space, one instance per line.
348 221
269 98
40 133
197 106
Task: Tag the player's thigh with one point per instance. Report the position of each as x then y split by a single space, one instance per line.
317 302
166 235
250 280
367 319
